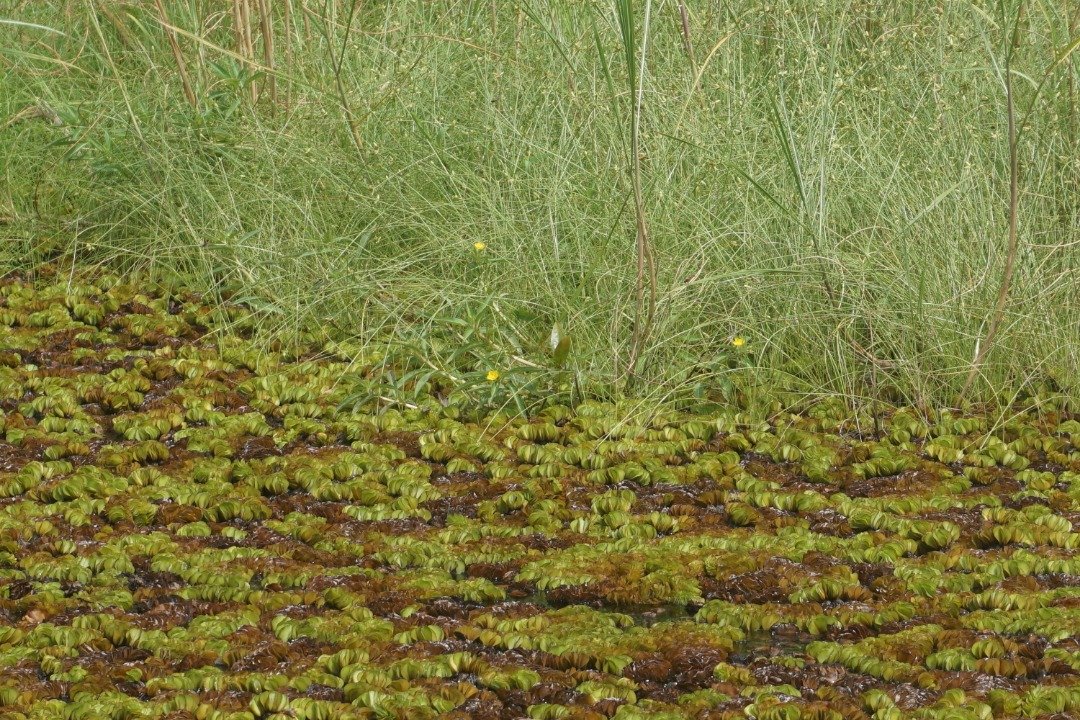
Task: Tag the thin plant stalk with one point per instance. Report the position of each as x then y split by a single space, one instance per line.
248 45
238 24
1017 35
1013 243
1016 130
688 42
287 21
185 79
336 67
267 29
645 283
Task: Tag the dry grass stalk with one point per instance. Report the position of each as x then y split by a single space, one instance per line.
238 26
189 91
688 43
266 27
238 19
287 21
247 47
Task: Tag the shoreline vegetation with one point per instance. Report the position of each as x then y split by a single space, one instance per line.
600 360
879 201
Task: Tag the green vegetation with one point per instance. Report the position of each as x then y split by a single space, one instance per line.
192 527
830 181
478 360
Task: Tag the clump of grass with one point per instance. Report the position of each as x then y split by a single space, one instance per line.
827 182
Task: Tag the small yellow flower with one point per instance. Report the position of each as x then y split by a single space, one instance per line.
738 341
478 246
492 375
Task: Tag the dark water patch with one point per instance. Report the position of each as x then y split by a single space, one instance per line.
780 640
649 615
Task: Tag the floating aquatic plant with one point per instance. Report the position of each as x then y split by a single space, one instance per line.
199 528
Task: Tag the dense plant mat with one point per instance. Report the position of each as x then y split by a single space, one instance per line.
191 528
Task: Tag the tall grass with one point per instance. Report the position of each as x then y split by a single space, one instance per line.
645 283
829 181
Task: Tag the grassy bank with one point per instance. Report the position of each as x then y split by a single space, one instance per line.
828 181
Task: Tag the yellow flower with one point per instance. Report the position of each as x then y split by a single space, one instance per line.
738 341
492 375
478 246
